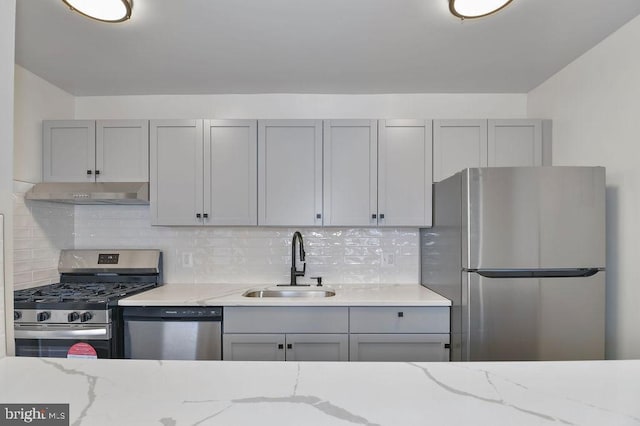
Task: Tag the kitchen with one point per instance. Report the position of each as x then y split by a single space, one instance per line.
576 140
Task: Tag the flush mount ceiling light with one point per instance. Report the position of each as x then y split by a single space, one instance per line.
102 10
470 9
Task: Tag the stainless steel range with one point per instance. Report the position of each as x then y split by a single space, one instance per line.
79 317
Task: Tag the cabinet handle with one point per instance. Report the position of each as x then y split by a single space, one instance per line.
318 216
198 215
400 314
89 172
206 215
97 172
280 346
373 216
289 346
381 215
447 345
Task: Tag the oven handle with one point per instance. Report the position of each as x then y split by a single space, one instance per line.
102 332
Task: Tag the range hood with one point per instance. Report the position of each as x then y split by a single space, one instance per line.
91 193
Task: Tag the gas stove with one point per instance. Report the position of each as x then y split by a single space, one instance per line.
59 295
83 307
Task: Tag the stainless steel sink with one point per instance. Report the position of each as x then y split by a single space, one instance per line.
290 291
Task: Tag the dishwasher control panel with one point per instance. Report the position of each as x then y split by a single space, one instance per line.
190 312
175 312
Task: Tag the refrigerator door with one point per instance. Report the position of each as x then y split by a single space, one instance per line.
533 218
505 319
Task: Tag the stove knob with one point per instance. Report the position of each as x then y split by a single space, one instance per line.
43 316
86 316
17 315
73 316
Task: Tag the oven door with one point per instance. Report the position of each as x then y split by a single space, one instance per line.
62 341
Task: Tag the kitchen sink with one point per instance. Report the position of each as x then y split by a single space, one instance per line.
290 291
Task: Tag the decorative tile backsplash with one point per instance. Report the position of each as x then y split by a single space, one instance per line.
208 254
254 255
41 229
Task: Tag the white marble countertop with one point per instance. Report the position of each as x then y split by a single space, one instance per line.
231 295
172 393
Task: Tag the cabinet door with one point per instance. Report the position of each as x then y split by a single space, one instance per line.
350 173
68 151
290 172
515 143
458 144
122 151
404 173
253 347
399 347
176 172
230 172
317 347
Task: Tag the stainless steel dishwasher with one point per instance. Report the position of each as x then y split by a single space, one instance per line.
181 333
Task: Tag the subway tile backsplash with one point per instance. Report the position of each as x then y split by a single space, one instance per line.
41 229
255 255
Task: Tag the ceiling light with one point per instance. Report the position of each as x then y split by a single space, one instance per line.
469 9
102 10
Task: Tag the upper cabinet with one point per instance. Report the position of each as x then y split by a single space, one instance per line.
231 172
404 172
458 144
514 143
203 172
350 173
96 151
290 172
177 175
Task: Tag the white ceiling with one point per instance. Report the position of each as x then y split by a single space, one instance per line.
310 46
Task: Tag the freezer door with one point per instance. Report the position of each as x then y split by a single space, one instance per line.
533 218
545 319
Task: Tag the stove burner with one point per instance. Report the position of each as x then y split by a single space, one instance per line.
78 292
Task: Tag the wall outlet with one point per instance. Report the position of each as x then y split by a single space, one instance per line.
187 260
388 259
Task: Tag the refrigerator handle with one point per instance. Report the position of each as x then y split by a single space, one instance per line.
538 273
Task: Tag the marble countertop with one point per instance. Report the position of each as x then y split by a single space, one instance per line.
173 393
231 295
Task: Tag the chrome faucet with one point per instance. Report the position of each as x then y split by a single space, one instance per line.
295 273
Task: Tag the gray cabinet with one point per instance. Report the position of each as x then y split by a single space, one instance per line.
290 172
404 173
177 182
399 333
253 347
458 144
285 347
399 347
286 333
336 333
514 143
350 173
203 172
96 151
230 172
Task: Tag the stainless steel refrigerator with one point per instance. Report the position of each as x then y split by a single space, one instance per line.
520 251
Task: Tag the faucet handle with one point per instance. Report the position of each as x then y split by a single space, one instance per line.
319 279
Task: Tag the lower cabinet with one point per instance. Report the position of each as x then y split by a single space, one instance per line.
396 333
286 347
399 333
399 347
295 333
